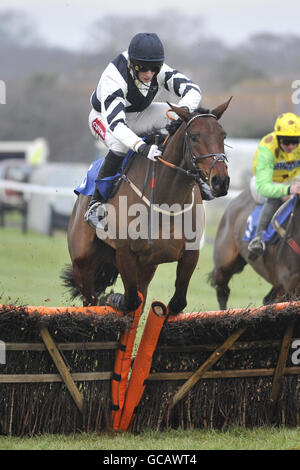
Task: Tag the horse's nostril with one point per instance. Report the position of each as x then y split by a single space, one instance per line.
220 185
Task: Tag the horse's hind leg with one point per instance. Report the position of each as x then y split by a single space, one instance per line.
83 274
82 249
221 276
220 280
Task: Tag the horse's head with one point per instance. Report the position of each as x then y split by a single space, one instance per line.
204 146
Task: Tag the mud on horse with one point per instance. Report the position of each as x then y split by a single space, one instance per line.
195 150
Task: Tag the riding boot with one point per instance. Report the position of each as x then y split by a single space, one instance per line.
109 167
204 190
257 246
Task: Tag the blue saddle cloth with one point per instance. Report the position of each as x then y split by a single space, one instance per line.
270 235
104 185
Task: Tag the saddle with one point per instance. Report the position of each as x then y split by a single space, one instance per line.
276 228
109 185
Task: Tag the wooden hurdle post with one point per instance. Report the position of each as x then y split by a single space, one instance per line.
280 368
62 368
215 356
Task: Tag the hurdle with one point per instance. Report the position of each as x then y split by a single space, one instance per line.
220 368
71 369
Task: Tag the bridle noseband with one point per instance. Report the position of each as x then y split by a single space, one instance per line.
217 157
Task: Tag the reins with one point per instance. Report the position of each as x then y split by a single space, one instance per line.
286 234
218 157
156 207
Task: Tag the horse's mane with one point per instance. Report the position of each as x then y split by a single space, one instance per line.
154 133
201 110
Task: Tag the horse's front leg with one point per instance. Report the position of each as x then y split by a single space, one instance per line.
128 269
185 268
145 275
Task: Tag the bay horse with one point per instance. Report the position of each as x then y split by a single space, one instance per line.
279 265
195 150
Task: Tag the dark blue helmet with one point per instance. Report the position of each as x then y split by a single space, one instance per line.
146 47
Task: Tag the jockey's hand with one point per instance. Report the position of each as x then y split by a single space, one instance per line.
149 151
295 188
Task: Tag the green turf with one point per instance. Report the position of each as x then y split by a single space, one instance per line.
235 438
31 265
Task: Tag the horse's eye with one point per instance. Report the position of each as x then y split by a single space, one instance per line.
194 138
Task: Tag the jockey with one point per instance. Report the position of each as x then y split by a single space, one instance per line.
123 107
276 164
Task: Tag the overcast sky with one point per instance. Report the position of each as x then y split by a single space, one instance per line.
65 22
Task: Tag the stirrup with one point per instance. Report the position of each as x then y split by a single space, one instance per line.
256 248
95 213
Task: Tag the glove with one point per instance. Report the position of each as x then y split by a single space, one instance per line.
149 151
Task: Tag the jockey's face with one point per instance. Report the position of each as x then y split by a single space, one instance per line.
145 71
289 148
288 145
146 77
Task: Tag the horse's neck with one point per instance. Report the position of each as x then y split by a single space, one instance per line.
175 148
171 185
174 185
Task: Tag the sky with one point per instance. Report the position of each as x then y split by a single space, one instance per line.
66 22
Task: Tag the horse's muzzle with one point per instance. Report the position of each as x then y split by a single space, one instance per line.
219 186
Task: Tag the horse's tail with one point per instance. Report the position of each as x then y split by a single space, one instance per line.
105 276
68 281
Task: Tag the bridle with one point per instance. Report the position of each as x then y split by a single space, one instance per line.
217 157
193 160
196 173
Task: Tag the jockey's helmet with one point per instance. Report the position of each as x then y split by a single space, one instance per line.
287 125
146 51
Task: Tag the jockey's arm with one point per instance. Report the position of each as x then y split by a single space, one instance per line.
179 85
264 176
111 92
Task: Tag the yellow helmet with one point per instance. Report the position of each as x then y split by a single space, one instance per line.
287 124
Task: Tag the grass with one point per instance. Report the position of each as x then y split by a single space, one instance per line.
31 265
235 438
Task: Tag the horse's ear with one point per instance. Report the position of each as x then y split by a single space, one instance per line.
219 110
183 113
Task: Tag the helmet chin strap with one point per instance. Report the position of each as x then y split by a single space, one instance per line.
137 81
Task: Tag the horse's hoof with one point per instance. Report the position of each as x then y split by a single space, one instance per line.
116 301
102 301
176 306
173 314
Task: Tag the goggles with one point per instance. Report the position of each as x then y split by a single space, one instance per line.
289 140
145 68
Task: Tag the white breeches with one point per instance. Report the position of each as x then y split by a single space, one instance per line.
152 119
